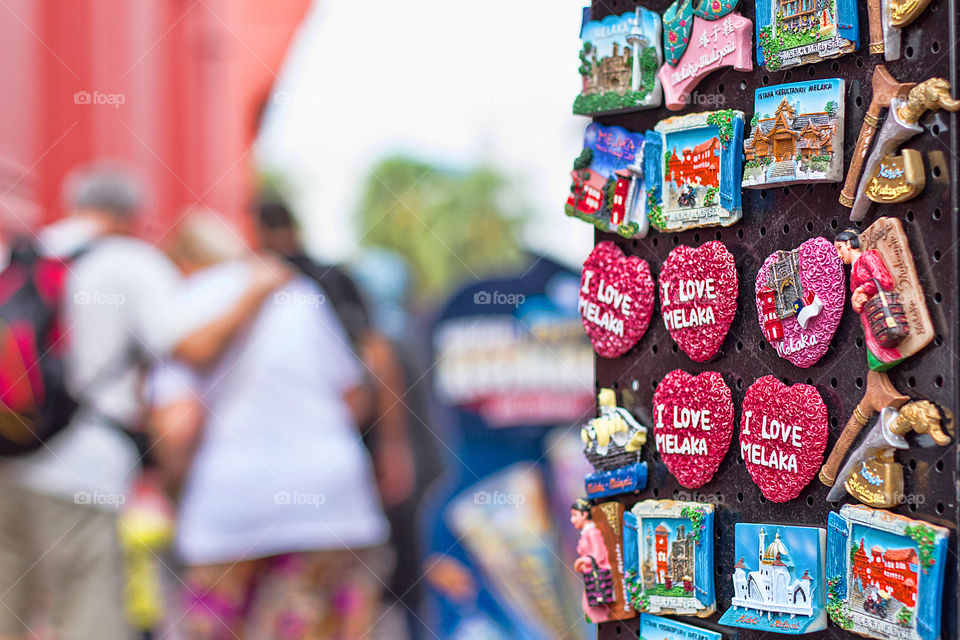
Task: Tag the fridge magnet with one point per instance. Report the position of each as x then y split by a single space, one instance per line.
616 299
800 298
698 297
669 557
699 38
871 475
885 574
692 168
593 562
783 434
796 135
886 292
797 32
900 125
778 582
619 58
607 187
694 424
897 178
887 19
612 444
608 519
656 628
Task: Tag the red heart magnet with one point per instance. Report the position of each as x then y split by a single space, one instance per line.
616 299
698 297
694 424
800 297
783 434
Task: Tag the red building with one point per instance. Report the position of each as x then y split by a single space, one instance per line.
618 212
893 572
700 165
586 193
662 547
772 327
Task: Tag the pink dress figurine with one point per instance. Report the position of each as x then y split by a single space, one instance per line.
593 563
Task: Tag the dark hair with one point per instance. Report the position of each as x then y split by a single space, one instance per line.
582 505
850 236
274 214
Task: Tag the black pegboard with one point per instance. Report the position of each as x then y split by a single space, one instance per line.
782 218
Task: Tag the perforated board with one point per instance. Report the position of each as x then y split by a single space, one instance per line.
782 218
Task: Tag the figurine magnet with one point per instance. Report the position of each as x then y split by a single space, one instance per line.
796 135
885 574
791 33
612 443
619 59
599 560
669 557
778 579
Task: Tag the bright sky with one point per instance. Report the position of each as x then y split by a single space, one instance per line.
453 83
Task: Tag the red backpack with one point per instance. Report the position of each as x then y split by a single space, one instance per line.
34 402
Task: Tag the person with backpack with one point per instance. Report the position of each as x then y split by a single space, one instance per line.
69 467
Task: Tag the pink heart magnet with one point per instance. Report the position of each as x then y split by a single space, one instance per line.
694 424
698 297
800 297
783 434
616 299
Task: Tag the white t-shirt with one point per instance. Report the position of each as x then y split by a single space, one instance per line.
120 309
281 466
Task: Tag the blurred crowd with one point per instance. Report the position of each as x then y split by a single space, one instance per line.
246 445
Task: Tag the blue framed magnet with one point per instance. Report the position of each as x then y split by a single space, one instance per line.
791 33
656 628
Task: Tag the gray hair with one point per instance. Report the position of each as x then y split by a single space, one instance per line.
109 188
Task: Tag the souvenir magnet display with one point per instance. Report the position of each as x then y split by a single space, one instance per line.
796 134
657 628
887 19
885 574
797 32
783 434
608 188
693 169
871 475
800 298
612 444
899 126
616 299
694 424
698 297
886 292
778 582
699 38
619 58
669 560
593 563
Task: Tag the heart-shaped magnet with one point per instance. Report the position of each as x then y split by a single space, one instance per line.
783 434
698 297
616 299
800 298
693 424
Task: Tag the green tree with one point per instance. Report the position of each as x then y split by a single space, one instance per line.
586 67
754 121
451 226
584 159
831 108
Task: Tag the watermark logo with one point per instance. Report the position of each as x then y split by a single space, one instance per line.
707 99
98 98
99 499
308 299
299 498
297 97
696 496
497 498
99 298
499 298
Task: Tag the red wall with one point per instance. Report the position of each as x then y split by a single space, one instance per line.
189 77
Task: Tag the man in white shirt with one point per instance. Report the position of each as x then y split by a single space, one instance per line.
58 506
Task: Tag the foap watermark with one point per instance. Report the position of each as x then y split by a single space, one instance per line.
99 98
309 299
495 497
696 496
706 99
299 498
100 499
99 298
298 97
499 298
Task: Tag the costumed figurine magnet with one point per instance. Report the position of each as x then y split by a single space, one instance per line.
619 59
616 299
800 300
885 574
694 424
693 169
796 135
698 297
669 557
791 33
612 443
700 37
599 560
778 580
607 187
783 434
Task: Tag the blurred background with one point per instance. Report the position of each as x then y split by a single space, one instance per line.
424 148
